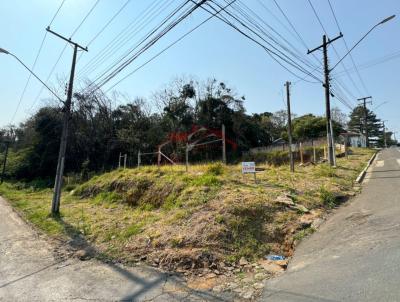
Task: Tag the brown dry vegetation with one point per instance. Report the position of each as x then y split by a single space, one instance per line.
209 217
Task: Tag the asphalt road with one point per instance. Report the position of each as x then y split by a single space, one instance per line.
355 256
31 270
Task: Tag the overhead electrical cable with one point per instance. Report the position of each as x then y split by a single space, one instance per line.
168 27
142 23
63 50
347 49
105 26
124 36
109 22
35 61
371 63
295 31
256 26
274 55
334 48
171 45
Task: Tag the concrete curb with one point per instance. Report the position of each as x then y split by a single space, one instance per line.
361 176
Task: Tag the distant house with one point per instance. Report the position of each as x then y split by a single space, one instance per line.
355 139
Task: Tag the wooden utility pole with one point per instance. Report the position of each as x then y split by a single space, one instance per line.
324 46
366 117
223 145
55 206
289 130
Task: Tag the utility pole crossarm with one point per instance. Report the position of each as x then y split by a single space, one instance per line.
327 43
65 39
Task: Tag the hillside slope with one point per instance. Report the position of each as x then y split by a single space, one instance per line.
210 217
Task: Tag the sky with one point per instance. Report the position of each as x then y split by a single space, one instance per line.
214 50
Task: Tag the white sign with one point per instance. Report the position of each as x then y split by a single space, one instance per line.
248 167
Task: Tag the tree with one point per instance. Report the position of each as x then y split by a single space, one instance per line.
339 116
357 122
310 126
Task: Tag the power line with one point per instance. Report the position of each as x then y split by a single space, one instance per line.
372 63
109 22
34 62
117 69
127 34
84 19
106 25
259 27
316 15
347 49
270 52
296 32
334 48
63 50
58 10
171 45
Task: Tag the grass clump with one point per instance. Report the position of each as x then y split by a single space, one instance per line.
247 234
327 197
326 171
303 233
215 169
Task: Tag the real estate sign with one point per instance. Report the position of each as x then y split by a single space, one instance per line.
248 167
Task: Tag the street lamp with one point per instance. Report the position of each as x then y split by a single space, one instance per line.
2 50
363 37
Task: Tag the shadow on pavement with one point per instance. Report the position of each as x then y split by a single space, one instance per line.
284 295
81 243
29 275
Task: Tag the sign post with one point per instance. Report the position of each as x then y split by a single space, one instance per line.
249 168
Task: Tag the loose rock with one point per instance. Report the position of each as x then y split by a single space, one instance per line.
243 261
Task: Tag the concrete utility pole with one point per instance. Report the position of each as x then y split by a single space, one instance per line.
5 162
384 133
55 205
289 127
223 145
324 46
366 117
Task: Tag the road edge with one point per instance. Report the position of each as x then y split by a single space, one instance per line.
361 176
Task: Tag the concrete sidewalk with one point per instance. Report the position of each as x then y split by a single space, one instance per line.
355 256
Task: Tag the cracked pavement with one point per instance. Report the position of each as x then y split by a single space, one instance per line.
30 270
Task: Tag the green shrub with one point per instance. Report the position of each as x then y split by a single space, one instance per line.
246 233
326 171
108 197
206 180
216 169
327 197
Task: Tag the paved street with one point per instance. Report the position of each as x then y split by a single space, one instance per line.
31 271
355 256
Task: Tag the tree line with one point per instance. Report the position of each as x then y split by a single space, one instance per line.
103 127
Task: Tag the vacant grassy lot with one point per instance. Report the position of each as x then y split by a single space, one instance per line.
180 220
